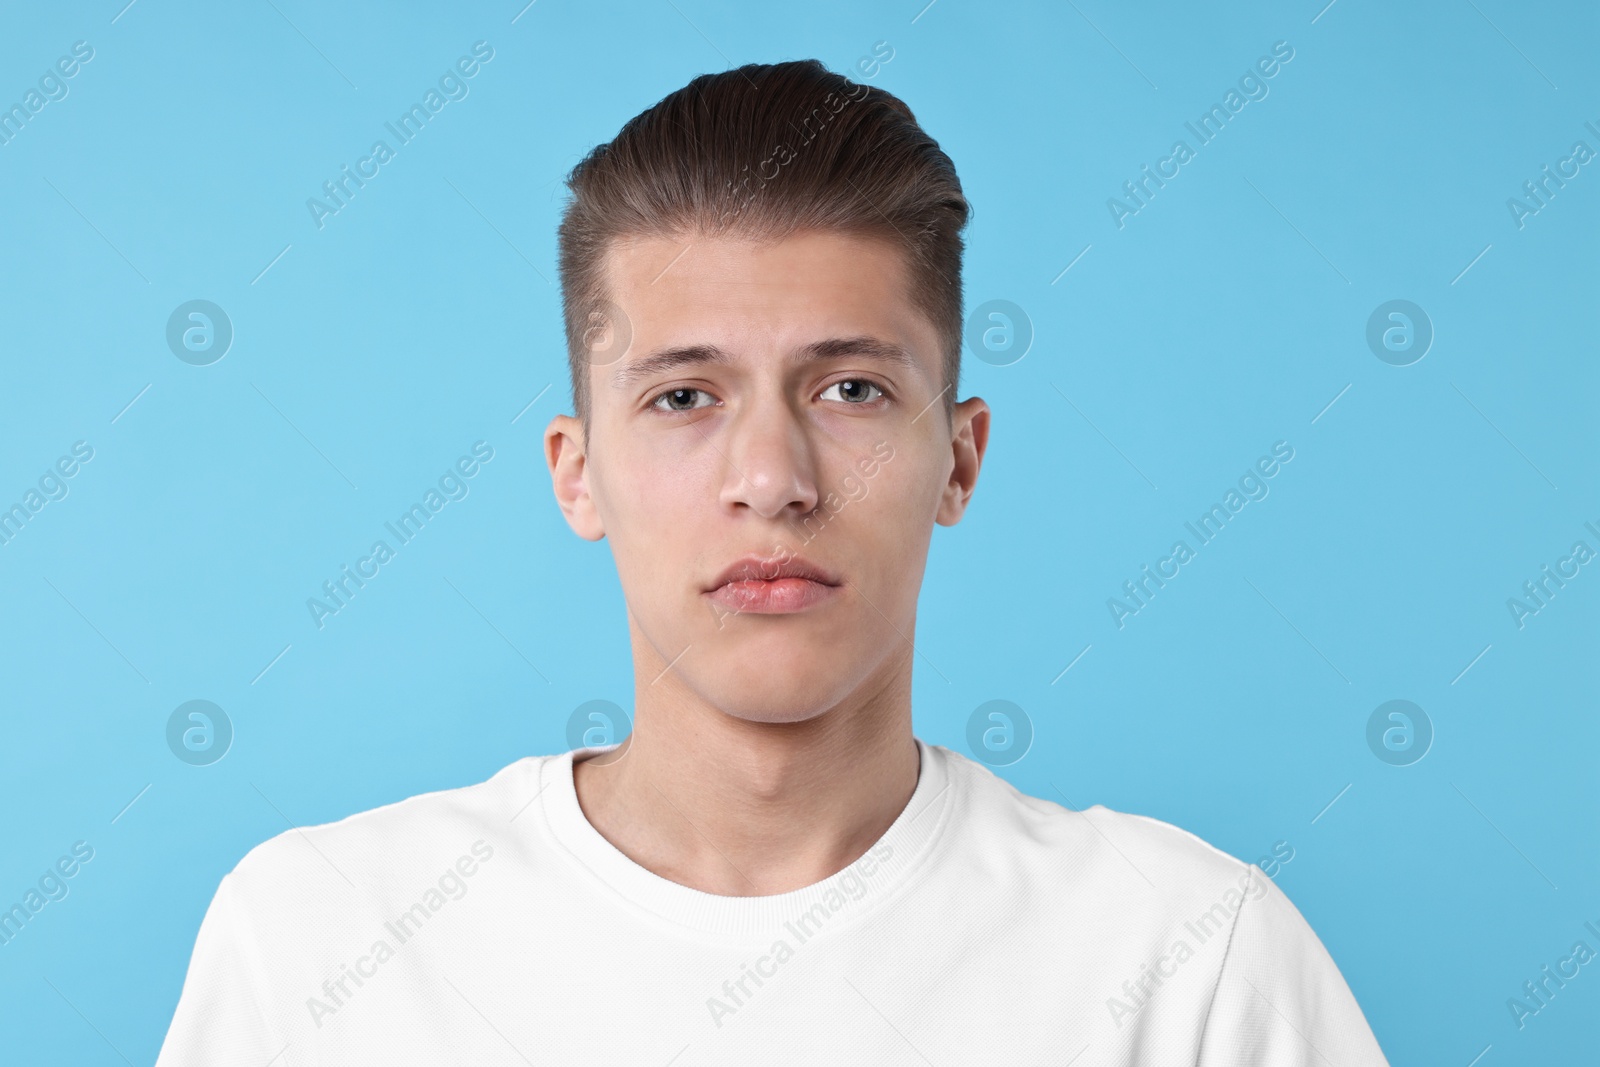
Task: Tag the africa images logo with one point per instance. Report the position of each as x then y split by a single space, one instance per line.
848 887
453 484
1206 128
452 86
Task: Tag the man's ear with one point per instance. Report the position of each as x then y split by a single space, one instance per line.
564 452
969 439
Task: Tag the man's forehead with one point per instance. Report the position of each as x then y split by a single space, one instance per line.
646 266
698 299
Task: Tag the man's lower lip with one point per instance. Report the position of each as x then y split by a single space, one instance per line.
776 597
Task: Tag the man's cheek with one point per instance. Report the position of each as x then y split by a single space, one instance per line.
902 493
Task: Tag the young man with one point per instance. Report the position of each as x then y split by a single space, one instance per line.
763 310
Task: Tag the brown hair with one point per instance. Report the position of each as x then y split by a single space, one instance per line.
766 150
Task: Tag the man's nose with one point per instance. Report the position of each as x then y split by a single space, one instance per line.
770 462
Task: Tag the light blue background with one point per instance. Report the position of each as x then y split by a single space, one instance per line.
1223 317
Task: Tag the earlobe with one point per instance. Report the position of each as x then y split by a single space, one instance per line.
968 443
569 476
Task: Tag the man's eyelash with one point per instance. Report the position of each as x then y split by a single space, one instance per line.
879 386
655 401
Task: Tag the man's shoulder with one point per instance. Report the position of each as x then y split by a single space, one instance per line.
1094 843
407 837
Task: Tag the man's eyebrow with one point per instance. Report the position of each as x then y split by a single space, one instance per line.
669 359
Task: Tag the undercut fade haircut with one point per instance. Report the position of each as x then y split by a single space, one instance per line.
763 151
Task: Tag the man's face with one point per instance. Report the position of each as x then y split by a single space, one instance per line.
799 441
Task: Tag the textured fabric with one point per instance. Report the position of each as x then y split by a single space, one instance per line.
493 924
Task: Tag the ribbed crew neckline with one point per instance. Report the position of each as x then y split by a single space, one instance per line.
909 839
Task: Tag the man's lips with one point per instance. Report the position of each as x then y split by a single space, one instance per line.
759 568
776 596
773 586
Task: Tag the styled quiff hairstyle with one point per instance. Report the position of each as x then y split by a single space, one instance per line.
764 151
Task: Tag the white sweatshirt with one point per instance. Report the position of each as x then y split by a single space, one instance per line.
492 924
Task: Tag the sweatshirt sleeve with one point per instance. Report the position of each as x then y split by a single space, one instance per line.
1280 1001
221 1016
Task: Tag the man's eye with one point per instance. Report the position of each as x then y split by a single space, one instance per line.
853 391
675 397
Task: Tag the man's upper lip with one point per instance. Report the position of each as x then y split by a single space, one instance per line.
756 568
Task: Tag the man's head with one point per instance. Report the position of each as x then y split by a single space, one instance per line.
762 287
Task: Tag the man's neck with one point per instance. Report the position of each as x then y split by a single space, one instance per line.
737 808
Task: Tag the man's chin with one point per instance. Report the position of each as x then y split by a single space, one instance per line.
774 697
787 673
786 713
